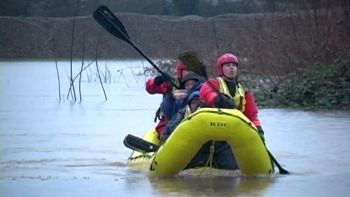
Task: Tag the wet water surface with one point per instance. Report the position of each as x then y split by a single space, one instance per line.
63 148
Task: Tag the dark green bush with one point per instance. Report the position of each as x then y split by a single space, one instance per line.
324 87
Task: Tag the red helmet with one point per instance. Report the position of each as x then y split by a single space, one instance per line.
179 68
225 58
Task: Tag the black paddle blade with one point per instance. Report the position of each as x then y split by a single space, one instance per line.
283 171
280 168
140 145
111 23
192 62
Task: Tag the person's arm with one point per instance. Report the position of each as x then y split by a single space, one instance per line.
210 96
251 112
157 85
172 124
208 93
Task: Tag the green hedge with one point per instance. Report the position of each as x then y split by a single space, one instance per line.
325 87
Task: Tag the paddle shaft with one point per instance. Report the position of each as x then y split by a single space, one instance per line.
114 26
280 168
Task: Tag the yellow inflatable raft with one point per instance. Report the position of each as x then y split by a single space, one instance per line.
205 125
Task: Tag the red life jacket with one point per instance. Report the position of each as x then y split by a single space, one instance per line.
208 95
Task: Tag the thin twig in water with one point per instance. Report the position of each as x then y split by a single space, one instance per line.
125 80
99 77
134 75
107 74
81 71
58 73
98 70
81 68
71 54
59 81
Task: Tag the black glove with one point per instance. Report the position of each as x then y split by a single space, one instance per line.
164 77
261 133
224 101
159 80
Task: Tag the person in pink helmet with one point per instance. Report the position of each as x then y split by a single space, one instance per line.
226 92
172 96
160 85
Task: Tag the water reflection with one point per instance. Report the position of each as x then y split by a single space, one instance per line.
210 186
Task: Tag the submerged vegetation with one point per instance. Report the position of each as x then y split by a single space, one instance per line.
325 87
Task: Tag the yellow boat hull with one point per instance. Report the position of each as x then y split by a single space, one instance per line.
205 125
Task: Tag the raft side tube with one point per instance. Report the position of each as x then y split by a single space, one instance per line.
208 124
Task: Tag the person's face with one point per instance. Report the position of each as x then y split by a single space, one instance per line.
194 104
189 84
186 72
229 70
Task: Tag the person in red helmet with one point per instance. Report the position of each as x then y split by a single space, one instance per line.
180 70
226 92
172 97
160 85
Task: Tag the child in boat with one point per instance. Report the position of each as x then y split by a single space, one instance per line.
172 97
189 85
226 92
192 105
218 153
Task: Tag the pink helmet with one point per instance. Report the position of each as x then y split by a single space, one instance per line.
225 58
179 68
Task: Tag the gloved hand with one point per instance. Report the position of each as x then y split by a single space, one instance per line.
159 80
261 133
224 101
163 78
